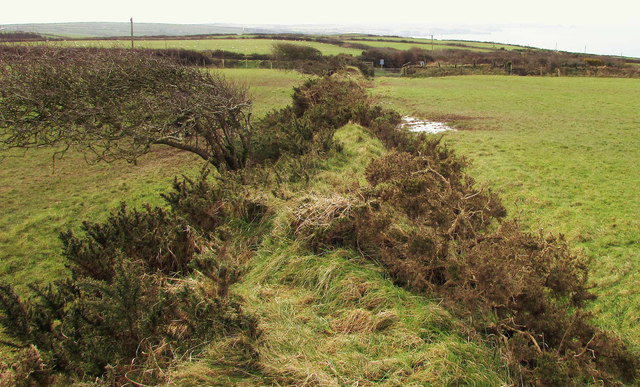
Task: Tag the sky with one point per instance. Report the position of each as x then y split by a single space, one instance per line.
610 27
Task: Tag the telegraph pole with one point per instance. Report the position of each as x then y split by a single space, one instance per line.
132 33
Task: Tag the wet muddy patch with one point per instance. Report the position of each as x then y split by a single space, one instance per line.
419 125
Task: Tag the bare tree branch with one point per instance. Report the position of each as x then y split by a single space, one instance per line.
114 104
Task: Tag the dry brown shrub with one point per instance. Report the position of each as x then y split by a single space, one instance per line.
29 370
433 230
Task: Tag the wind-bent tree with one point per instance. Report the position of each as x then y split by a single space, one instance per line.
114 104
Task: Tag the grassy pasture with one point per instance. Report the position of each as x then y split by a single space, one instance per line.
242 46
40 201
488 45
426 45
564 154
401 43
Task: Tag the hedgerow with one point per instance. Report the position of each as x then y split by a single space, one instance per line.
434 230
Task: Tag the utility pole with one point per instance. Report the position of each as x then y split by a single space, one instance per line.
132 33
432 43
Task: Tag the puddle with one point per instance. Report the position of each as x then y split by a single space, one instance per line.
419 125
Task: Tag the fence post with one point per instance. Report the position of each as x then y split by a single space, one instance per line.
132 33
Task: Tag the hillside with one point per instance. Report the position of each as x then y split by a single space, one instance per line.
103 29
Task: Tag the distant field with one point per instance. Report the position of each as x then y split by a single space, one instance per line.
242 46
420 44
43 201
564 154
488 45
377 41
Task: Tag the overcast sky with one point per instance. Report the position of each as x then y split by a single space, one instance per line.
615 22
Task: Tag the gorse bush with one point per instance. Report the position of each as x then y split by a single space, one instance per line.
158 239
310 60
146 288
318 109
206 205
150 287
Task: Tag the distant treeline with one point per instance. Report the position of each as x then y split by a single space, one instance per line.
525 63
416 61
20 36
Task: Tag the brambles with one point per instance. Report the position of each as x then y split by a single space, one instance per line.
115 104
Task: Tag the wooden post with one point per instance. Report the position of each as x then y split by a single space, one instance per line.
271 64
222 62
246 63
132 33
558 71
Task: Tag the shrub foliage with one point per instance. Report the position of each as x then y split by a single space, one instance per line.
146 288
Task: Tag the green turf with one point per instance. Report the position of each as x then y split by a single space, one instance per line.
271 89
564 154
487 45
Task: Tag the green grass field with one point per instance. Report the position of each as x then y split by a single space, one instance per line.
488 45
401 43
564 154
241 46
